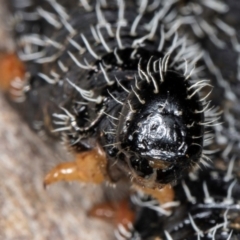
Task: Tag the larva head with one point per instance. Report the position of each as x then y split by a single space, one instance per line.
160 131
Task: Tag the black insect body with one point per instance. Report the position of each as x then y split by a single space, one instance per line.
156 137
114 75
141 106
206 207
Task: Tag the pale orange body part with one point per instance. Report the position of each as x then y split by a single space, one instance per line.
114 212
163 195
11 69
121 213
88 167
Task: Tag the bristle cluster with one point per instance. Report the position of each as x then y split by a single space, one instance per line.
205 207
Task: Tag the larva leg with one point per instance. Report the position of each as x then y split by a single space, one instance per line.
114 212
88 167
164 195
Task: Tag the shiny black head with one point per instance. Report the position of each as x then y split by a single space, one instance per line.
160 131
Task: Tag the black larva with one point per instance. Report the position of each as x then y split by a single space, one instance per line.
116 74
142 106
